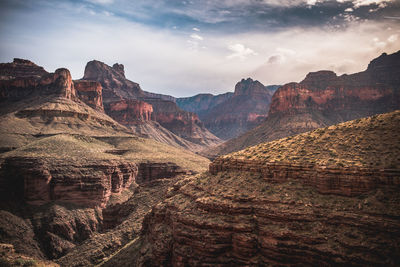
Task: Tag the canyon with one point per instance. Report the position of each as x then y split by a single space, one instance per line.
65 165
271 210
97 171
323 99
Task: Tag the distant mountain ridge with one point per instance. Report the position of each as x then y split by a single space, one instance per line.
323 99
231 114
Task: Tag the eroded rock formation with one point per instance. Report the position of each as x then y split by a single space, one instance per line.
327 180
126 102
39 180
129 112
151 171
323 99
90 92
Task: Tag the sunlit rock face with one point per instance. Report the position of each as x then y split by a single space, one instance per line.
323 99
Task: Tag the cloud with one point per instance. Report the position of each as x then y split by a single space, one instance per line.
196 37
349 9
360 3
101 2
196 29
393 38
281 44
275 59
240 51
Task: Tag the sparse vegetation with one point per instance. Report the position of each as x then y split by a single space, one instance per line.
368 142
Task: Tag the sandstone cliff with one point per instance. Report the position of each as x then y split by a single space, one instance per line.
323 99
91 93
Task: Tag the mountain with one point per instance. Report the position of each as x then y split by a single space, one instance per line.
231 114
69 172
164 120
323 198
323 99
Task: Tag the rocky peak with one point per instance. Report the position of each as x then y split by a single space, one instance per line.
319 79
249 87
112 79
385 69
59 83
119 68
20 68
23 61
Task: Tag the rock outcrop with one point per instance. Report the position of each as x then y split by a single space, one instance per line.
229 115
25 80
39 180
90 92
129 112
346 181
151 171
186 125
21 68
323 99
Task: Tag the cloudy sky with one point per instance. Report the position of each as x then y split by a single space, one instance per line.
186 47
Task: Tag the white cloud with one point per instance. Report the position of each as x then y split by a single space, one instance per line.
359 3
285 51
393 38
101 2
196 29
349 9
161 62
240 51
196 37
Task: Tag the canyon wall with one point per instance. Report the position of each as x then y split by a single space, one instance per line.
351 181
323 99
90 183
231 114
142 106
91 93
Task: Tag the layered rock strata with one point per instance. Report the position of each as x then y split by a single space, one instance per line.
151 171
327 180
129 112
90 92
240 219
39 180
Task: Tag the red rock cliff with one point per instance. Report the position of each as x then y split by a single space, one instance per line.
90 92
129 112
323 99
23 78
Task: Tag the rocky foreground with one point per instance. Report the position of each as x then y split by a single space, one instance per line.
280 212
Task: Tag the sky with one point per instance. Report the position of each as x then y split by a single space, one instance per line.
183 48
